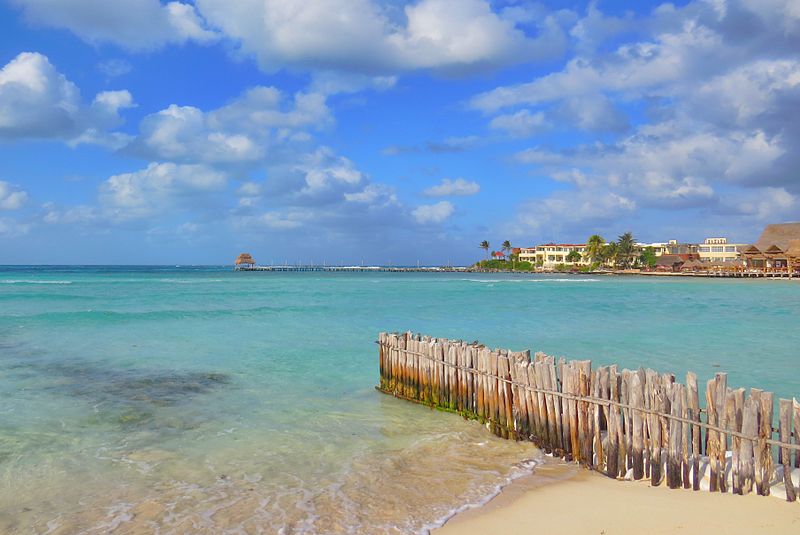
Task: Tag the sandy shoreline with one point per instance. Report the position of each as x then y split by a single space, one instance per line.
562 498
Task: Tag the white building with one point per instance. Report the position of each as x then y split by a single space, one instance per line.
719 250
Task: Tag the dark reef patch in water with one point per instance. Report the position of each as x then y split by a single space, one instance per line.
129 397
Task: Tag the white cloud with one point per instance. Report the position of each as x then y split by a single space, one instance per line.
157 188
36 101
324 171
363 36
239 132
132 24
566 211
284 220
373 194
520 124
11 198
81 214
458 187
12 228
113 68
433 213
713 89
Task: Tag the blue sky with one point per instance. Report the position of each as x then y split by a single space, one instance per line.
139 131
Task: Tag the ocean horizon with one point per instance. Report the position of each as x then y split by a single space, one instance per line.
197 399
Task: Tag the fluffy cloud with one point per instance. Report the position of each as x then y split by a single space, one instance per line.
11 198
433 213
133 24
520 124
718 88
36 101
458 187
12 228
238 132
324 172
367 37
569 213
158 188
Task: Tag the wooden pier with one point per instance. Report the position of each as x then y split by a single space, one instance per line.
353 269
623 423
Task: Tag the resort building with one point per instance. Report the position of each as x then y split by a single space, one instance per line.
719 251
527 254
550 255
659 248
777 249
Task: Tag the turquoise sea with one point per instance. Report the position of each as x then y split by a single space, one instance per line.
199 400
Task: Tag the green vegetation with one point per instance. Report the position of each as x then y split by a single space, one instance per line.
648 257
627 251
621 254
503 265
595 247
573 257
485 246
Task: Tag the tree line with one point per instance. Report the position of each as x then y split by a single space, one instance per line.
624 253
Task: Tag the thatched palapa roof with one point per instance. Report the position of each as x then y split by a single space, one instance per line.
776 238
245 259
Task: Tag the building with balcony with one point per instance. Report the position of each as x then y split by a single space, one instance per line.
719 251
550 255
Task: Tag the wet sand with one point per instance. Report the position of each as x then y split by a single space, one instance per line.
566 499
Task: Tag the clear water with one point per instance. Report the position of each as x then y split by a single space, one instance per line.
175 400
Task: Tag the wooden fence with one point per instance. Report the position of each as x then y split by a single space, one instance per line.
619 422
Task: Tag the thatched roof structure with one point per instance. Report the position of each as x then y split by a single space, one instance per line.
794 249
776 238
245 259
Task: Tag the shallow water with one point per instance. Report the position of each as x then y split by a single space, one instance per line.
177 400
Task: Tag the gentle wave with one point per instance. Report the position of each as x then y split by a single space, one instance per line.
19 281
523 469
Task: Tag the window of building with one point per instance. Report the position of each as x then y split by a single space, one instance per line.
705 249
730 249
717 249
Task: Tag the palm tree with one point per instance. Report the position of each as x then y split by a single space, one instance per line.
609 254
485 246
594 247
506 245
626 250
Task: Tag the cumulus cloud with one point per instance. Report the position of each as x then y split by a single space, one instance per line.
36 101
520 124
718 87
433 213
239 132
132 24
365 36
157 188
11 228
11 197
323 171
569 213
449 187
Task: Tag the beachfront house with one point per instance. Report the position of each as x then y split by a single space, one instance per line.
498 255
551 255
719 251
527 254
776 251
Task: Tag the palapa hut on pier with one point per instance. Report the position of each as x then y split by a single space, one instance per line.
777 250
245 260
